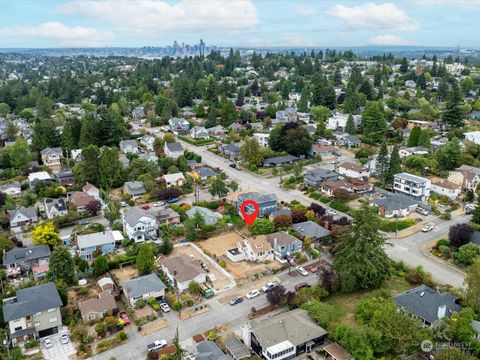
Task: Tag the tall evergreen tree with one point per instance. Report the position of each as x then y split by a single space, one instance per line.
453 114
414 136
328 97
374 125
360 258
66 140
424 139
395 165
404 66
350 125
302 105
351 104
110 170
382 163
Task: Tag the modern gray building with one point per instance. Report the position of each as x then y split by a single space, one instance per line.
316 176
267 204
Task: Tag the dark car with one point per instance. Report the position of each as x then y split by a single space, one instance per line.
233 165
236 300
172 200
301 286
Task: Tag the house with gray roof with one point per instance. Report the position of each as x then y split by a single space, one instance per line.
285 335
280 160
134 188
102 242
20 260
210 217
232 150
284 244
55 207
236 348
427 304
22 217
204 173
267 203
52 157
143 287
33 312
147 141
173 150
395 204
139 225
316 176
199 132
13 189
128 146
209 350
349 141
179 125
311 230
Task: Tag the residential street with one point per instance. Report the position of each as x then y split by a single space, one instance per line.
219 314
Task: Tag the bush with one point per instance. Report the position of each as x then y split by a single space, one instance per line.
82 290
177 305
121 336
140 304
121 259
212 336
444 249
104 345
467 254
32 344
324 199
100 329
443 242
392 226
222 263
194 288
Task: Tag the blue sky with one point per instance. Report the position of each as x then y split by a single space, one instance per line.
55 23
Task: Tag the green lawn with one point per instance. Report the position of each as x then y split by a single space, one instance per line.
345 303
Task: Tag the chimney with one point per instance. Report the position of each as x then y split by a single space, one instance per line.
442 311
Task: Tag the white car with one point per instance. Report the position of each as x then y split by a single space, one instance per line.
47 342
157 204
427 228
123 204
268 286
331 212
165 308
65 339
301 271
252 294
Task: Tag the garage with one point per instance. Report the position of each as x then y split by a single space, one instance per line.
48 332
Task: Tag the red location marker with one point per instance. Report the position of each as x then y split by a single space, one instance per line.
247 213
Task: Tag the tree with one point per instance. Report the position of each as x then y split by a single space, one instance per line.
178 354
459 234
453 115
110 169
233 185
395 166
320 113
453 354
382 162
276 295
404 66
100 265
190 230
424 139
472 280
282 221
414 136
19 155
46 234
467 253
352 101
5 243
251 153
297 141
169 138
112 212
448 157
262 227
357 340
218 187
360 258
61 265
350 127
93 207
145 259
374 125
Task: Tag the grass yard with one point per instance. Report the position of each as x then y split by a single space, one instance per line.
345 303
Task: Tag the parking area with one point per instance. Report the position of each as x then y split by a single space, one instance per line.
58 351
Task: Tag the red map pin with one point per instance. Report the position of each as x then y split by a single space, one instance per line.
249 216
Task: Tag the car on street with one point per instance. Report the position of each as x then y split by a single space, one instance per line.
236 300
83 222
64 339
301 271
331 212
428 228
253 293
232 165
422 211
269 286
125 318
469 209
160 203
165 308
123 203
157 345
172 200
145 207
313 269
301 286
47 342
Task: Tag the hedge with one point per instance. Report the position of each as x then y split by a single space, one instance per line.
339 206
198 142
115 263
392 226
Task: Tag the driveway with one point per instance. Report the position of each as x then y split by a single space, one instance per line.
58 351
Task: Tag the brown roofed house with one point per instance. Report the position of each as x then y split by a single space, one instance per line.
182 269
80 200
95 309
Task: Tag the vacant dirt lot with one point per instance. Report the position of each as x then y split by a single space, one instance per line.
218 246
125 273
221 280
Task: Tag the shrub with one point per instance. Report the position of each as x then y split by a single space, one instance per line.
194 288
100 329
32 344
82 290
212 336
444 249
121 336
339 206
140 304
213 205
467 253
443 242
222 263
104 345
392 226
177 306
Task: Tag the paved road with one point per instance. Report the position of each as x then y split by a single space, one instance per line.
219 314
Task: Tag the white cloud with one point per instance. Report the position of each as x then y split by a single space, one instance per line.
305 10
151 16
467 4
388 39
64 35
381 16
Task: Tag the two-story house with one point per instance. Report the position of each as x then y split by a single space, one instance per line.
13 189
33 312
173 150
22 217
199 132
39 177
176 179
19 260
262 138
256 249
284 244
316 176
101 243
128 146
147 141
52 157
81 200
353 171
55 207
267 203
139 225
181 270
179 125
446 188
468 177
134 189
411 185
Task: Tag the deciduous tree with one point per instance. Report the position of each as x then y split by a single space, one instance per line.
46 234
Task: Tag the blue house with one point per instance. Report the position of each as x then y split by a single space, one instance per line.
267 203
101 242
284 244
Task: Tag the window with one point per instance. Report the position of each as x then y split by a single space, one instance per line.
18 328
52 310
52 320
37 324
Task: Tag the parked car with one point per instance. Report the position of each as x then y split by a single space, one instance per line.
253 293
64 339
156 345
428 228
422 211
165 308
145 207
301 286
236 300
469 209
172 200
160 203
47 342
232 165
313 269
301 271
331 212
83 222
123 203
269 286
125 318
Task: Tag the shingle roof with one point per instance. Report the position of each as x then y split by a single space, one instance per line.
208 350
174 146
98 239
134 187
310 229
185 267
29 301
104 302
280 159
259 198
143 285
423 302
281 237
29 212
25 254
133 215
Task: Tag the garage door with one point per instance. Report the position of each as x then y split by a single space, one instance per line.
48 332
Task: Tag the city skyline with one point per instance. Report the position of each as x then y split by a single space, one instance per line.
247 23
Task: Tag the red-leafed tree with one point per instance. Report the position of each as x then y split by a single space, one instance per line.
298 216
93 207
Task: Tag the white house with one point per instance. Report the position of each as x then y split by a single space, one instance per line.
147 141
256 249
447 188
199 132
139 225
55 207
39 177
176 179
262 138
173 150
416 150
473 136
13 189
181 270
128 147
414 186
339 121
143 287
352 170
